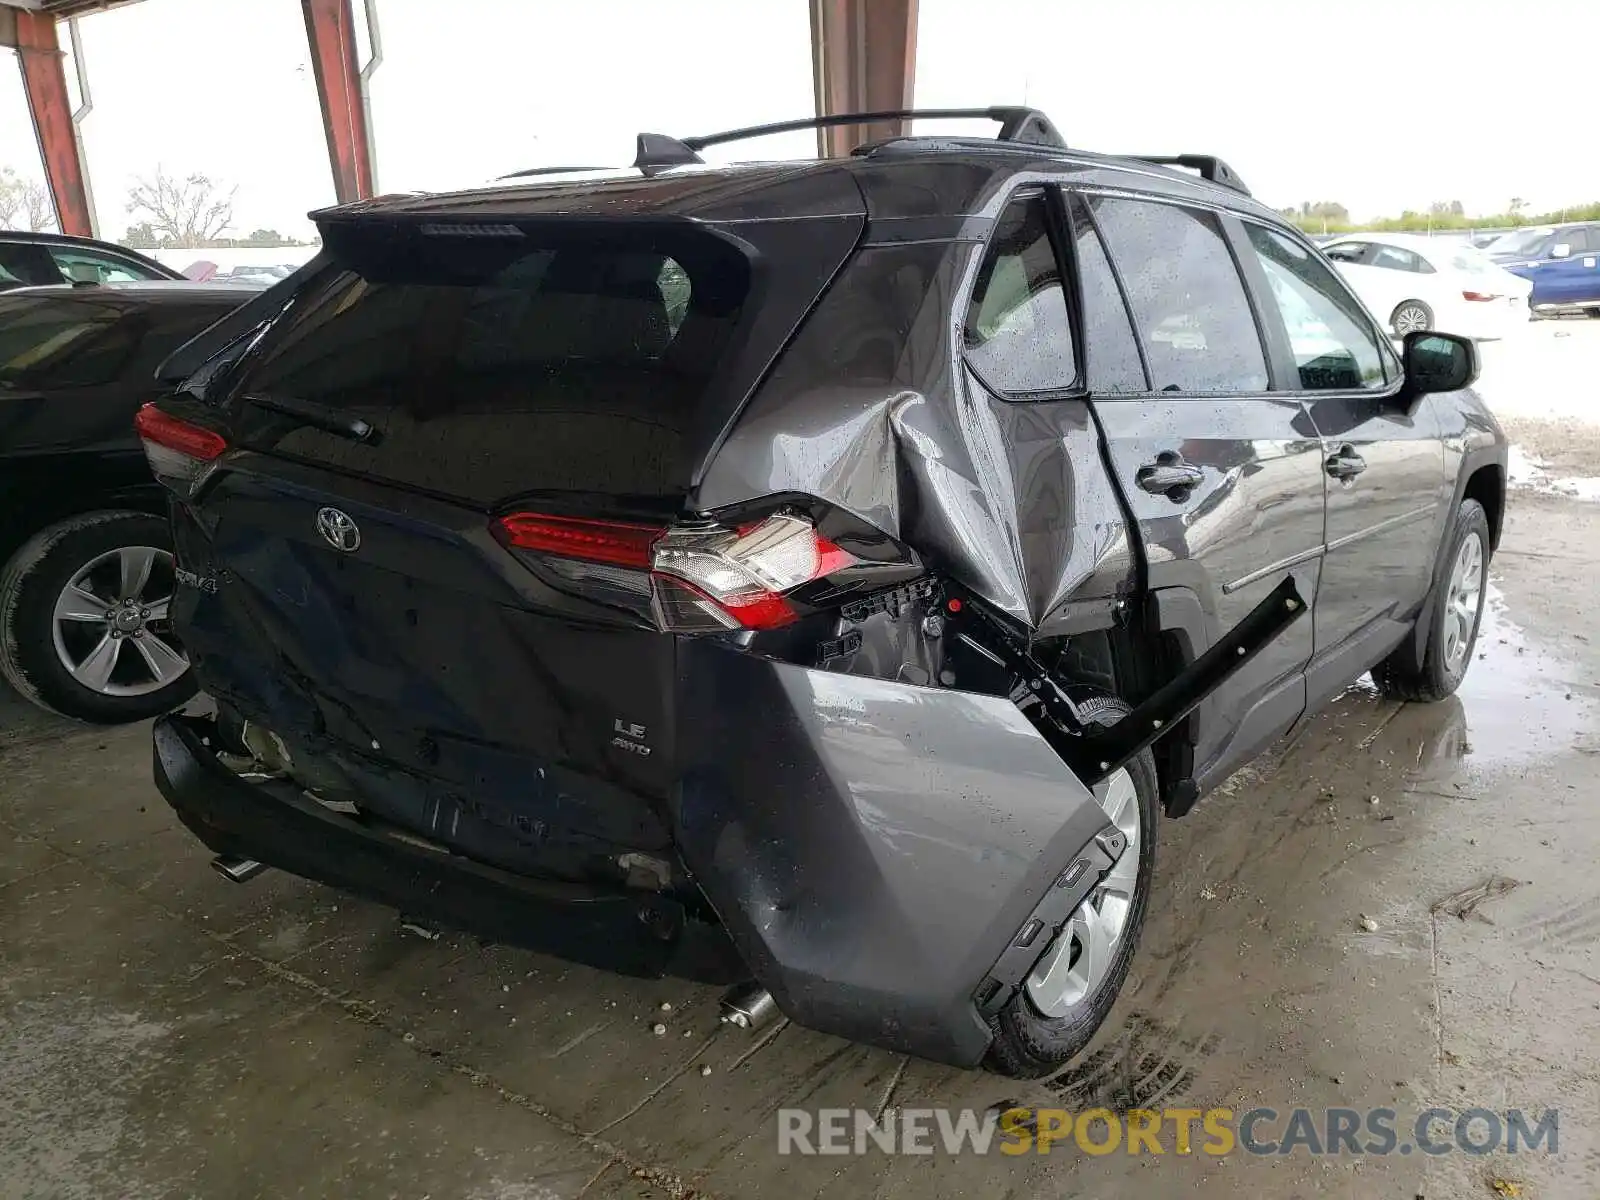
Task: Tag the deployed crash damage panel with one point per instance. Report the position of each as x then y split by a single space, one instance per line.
872 847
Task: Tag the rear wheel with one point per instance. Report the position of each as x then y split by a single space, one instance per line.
1072 988
1592 313
1457 605
85 625
1411 316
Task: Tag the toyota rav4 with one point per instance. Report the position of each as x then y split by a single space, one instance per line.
819 574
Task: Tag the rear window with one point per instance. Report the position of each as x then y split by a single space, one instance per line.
496 366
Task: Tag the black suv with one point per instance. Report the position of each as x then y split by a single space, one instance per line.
85 556
821 574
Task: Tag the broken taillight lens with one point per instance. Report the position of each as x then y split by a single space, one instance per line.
1480 296
738 579
698 580
181 455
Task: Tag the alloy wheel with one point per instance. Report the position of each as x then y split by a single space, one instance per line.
1087 945
112 628
1461 601
1410 318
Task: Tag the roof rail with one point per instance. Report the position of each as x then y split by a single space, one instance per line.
1017 124
1211 168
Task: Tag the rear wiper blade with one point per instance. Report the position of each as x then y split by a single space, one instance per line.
320 416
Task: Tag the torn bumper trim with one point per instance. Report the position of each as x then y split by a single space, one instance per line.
632 933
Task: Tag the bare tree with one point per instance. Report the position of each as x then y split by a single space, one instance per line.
186 212
37 206
24 203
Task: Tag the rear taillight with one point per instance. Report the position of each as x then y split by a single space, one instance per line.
697 580
611 542
1479 296
182 455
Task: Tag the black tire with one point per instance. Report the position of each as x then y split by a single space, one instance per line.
1398 675
1427 316
30 584
1027 1044
1592 313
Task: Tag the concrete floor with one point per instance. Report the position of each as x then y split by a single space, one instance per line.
163 1033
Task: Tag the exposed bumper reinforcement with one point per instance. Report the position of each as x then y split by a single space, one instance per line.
632 933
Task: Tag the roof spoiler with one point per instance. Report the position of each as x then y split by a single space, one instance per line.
1210 167
1029 126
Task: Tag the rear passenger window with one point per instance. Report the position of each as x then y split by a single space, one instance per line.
1111 352
1194 318
1397 259
1017 335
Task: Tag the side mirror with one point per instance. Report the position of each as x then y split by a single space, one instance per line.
1438 362
1561 250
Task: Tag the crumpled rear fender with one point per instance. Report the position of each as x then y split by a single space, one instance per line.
872 409
872 847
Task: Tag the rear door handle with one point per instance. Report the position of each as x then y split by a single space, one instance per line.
1345 463
1169 476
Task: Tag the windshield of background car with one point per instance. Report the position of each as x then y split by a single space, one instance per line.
1521 241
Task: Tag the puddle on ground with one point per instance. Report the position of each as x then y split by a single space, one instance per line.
1520 701
1534 474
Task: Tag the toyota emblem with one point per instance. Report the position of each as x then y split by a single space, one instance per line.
338 530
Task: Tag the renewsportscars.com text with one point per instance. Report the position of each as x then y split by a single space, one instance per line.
1212 1131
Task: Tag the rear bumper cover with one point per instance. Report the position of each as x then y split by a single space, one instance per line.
872 848
633 933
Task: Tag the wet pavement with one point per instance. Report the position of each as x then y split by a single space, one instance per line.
163 1033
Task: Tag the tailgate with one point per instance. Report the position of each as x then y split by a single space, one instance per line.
430 378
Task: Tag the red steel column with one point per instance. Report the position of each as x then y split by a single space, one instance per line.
863 59
330 30
44 79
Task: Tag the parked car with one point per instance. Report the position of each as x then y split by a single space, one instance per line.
1562 262
1416 283
822 574
262 275
29 259
88 574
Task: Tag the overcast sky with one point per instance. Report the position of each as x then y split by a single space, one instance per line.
1378 104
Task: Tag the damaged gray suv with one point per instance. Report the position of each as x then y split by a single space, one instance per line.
818 577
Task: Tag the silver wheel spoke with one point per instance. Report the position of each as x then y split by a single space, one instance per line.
94 607
1097 945
1462 600
1081 955
78 603
1124 874
135 562
165 663
95 670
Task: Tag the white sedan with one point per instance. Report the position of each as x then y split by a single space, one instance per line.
1414 282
